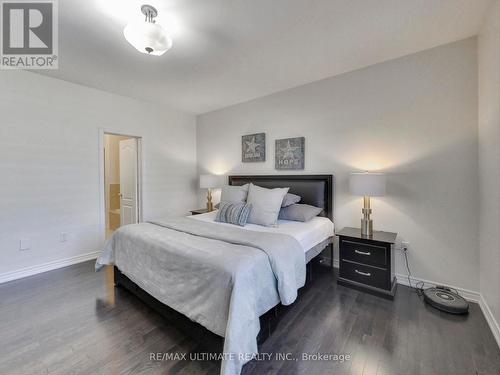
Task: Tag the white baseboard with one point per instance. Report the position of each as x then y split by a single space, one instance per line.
490 318
469 295
49 266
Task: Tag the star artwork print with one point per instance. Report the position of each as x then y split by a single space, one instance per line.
290 153
253 148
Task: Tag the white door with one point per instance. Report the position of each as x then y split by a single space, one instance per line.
128 181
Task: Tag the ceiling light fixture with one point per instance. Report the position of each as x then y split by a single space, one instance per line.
147 36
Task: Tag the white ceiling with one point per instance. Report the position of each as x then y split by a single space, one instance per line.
230 51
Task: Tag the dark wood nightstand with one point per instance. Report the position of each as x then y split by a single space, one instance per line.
367 263
199 211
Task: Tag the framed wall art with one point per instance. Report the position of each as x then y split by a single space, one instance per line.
289 153
253 148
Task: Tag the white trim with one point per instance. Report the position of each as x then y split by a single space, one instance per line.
469 295
140 168
49 266
490 318
102 192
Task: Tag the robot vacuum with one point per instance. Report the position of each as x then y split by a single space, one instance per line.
444 299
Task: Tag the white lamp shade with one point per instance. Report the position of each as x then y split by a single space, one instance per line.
146 37
367 184
209 181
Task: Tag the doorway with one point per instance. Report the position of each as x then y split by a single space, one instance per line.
121 181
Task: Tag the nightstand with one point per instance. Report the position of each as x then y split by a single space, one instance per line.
199 211
367 263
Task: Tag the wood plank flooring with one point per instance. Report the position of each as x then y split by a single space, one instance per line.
73 321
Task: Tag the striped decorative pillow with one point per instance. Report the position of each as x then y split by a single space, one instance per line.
233 213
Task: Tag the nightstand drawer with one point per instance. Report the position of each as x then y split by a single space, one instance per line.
363 253
360 273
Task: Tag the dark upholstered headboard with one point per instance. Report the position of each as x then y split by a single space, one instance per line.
316 190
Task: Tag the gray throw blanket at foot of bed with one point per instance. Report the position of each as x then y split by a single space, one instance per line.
221 277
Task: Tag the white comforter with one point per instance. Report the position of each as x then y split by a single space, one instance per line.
221 277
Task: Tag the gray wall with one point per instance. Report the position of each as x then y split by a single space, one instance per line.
489 160
414 118
49 164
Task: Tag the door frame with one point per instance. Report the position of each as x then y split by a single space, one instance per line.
102 191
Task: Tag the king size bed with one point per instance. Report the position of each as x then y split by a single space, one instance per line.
227 279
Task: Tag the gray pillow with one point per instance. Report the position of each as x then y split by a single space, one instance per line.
266 204
299 212
290 199
233 213
234 194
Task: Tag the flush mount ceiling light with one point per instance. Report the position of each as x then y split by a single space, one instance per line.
147 36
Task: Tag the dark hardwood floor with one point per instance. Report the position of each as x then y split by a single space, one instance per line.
73 321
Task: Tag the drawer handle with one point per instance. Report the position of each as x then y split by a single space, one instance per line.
362 252
363 273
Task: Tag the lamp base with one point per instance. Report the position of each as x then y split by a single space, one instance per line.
210 206
367 227
366 222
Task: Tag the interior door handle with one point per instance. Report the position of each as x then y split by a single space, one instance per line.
362 252
363 273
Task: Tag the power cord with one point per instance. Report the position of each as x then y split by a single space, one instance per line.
420 285
405 252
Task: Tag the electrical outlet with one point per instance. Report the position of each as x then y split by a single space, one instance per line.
24 244
63 237
405 246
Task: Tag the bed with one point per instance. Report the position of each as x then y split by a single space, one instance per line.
228 281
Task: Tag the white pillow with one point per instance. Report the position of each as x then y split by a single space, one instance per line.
290 199
234 194
266 204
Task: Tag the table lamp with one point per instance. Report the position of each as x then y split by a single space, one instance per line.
367 185
209 181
